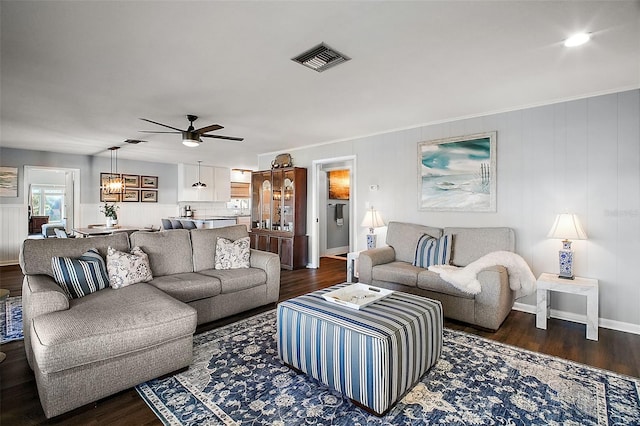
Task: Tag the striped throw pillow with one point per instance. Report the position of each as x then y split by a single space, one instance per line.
432 251
82 276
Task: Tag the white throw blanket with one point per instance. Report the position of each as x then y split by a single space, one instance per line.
521 279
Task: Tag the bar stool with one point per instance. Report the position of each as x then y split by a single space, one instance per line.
166 224
188 224
176 224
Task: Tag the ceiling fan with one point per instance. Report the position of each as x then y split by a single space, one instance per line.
191 136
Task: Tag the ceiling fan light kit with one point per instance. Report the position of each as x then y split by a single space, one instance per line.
191 137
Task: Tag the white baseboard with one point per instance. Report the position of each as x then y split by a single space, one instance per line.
9 262
581 319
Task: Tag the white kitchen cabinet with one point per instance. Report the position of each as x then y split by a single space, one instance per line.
222 190
217 180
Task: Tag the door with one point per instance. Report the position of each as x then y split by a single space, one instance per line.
321 211
68 200
47 178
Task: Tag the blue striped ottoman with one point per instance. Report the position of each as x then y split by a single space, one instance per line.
372 355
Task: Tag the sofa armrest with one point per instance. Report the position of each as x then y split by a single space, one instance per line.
270 263
370 258
40 295
495 300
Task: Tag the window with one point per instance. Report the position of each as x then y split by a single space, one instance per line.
48 200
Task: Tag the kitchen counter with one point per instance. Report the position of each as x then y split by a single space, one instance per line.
217 221
217 217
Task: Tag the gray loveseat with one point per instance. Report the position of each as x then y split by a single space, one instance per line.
85 349
391 267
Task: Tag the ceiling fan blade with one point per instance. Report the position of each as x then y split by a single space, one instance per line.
156 131
160 124
230 138
209 128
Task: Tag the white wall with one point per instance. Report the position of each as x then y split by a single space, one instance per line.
581 156
13 210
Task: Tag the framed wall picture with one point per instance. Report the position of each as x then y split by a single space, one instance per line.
149 196
149 182
131 181
458 174
109 198
131 195
104 178
339 184
8 181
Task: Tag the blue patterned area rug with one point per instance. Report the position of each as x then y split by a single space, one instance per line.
237 378
11 320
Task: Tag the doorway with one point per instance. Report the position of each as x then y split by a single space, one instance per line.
333 201
53 192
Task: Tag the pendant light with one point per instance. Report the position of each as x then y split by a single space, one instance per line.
199 184
114 184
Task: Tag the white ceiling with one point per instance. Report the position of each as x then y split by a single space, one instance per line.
76 76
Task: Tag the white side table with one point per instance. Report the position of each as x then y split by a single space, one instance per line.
582 286
352 265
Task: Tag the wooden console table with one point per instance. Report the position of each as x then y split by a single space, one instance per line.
36 222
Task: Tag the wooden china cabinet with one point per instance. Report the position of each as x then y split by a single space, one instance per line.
279 214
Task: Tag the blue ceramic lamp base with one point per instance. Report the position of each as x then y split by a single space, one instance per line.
371 241
566 261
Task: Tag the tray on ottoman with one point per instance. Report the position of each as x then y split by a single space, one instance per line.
373 355
356 296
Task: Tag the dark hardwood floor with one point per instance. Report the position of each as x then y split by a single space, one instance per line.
19 404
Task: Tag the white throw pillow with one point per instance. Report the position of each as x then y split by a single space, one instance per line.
128 268
232 254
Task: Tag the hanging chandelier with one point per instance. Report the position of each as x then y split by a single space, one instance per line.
199 184
114 184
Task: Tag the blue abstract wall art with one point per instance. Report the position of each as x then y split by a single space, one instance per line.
458 174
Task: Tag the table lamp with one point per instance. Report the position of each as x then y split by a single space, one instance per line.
372 220
566 227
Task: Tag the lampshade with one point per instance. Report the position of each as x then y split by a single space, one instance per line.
190 139
567 227
199 184
372 219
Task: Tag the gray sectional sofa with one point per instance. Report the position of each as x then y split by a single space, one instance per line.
85 349
391 267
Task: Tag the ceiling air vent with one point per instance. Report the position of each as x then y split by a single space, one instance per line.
320 58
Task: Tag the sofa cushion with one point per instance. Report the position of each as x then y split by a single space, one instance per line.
233 280
232 254
81 276
428 280
188 287
124 321
397 272
432 251
128 268
403 237
470 244
35 255
169 251
204 244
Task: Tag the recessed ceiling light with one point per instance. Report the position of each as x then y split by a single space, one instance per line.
577 39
